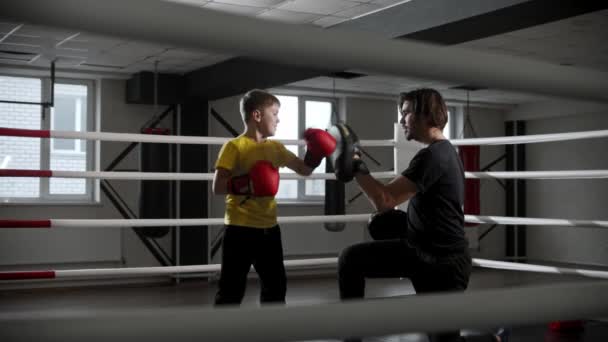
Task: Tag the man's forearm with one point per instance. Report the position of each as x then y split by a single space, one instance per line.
375 192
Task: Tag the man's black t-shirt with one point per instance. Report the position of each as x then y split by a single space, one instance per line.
435 213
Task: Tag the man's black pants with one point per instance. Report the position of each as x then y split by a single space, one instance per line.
396 258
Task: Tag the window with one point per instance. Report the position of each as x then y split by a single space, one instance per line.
72 111
297 114
69 114
449 127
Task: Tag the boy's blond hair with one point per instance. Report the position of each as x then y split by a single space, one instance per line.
256 99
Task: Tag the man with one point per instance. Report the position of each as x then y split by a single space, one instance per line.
434 251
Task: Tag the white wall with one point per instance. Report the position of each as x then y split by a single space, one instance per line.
65 248
489 123
568 199
118 116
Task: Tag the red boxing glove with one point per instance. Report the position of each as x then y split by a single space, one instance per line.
319 144
262 180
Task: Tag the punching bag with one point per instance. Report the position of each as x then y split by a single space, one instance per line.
154 195
470 160
334 200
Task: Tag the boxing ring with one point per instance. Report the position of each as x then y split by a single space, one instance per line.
315 48
585 299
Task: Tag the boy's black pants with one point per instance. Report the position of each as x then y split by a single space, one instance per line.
246 246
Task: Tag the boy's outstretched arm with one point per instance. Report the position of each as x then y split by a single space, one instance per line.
299 166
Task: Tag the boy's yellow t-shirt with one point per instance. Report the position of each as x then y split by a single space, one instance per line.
238 156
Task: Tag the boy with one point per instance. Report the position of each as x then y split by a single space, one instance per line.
247 172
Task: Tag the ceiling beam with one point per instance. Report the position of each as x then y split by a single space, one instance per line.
504 20
306 46
238 75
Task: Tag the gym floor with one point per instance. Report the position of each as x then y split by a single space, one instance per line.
302 290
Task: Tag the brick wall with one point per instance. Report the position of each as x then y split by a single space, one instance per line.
19 153
68 162
24 153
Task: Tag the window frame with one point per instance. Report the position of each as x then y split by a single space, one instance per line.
91 186
452 124
302 198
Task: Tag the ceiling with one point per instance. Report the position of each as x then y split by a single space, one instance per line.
578 40
24 44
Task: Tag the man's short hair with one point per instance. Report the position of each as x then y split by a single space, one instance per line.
427 104
256 99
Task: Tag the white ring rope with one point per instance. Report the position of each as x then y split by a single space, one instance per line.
568 174
122 223
186 176
197 140
179 139
170 270
529 221
420 313
192 176
534 138
116 223
513 266
143 138
302 263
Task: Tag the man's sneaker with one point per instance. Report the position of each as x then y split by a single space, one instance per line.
503 333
